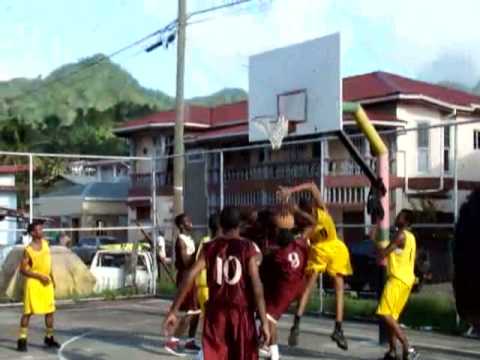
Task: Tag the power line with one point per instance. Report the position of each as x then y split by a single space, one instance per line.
168 28
216 8
42 86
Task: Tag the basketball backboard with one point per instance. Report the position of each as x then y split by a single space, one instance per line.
301 82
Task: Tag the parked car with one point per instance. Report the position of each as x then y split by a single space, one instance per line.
88 246
110 268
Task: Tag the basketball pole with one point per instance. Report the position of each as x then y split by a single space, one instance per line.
380 150
179 161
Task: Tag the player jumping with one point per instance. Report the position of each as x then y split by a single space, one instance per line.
327 253
283 271
235 293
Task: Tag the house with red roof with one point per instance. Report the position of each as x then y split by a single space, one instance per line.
421 161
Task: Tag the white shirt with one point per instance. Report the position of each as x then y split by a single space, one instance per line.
189 243
161 246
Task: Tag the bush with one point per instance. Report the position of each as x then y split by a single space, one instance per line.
422 311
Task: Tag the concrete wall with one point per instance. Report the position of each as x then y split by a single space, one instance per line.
408 142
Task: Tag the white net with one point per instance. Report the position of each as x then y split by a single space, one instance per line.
275 129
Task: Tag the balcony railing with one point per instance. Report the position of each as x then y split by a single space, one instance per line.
144 180
294 170
347 166
277 171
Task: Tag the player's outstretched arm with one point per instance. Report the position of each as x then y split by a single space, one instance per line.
304 215
308 186
185 287
259 297
398 242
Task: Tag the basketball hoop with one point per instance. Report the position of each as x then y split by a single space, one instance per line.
275 129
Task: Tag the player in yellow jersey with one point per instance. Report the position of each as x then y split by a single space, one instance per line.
400 255
39 297
201 281
327 253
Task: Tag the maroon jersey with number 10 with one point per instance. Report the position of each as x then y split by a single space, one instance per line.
229 328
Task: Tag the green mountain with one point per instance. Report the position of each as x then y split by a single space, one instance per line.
225 96
75 108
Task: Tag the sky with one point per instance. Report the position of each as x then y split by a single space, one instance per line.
429 40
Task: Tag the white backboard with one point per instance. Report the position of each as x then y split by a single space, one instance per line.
302 82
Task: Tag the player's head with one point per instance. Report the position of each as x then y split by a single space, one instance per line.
264 218
230 219
306 205
248 216
35 229
183 222
465 260
404 218
284 237
214 224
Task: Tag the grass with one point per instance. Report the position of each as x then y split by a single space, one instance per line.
423 311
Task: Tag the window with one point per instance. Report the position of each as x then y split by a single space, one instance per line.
264 155
476 139
446 148
196 156
143 213
423 145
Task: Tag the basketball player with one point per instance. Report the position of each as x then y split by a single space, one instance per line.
465 252
184 259
327 253
39 294
400 255
201 281
283 270
235 293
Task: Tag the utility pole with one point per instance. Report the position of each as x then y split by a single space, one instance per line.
179 159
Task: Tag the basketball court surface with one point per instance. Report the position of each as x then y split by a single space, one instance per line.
132 330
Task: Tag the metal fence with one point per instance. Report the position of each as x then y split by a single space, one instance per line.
432 172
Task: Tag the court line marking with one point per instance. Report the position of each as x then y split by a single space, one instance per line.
69 341
81 336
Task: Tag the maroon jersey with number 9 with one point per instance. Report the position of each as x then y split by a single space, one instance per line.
227 272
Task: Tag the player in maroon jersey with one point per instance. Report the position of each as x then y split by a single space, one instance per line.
283 271
235 293
184 259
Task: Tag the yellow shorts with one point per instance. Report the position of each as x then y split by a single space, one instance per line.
202 296
330 256
394 298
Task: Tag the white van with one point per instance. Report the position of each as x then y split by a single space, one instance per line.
110 268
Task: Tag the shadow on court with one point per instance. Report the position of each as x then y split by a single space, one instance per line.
132 330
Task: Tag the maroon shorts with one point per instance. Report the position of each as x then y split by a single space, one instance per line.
190 303
278 301
229 333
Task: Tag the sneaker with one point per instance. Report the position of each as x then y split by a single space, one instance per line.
411 354
264 352
390 356
173 347
293 337
338 337
51 343
22 345
191 345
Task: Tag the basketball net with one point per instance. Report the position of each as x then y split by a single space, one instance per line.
275 129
